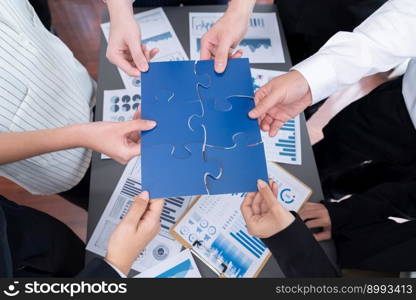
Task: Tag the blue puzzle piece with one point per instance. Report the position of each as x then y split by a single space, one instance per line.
171 115
222 126
179 77
169 97
166 176
235 81
242 165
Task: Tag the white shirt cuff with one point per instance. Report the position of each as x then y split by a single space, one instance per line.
122 275
320 75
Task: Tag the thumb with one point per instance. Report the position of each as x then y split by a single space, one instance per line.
267 194
155 209
138 56
139 125
221 56
265 101
137 209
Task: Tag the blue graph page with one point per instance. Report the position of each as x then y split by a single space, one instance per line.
216 229
261 44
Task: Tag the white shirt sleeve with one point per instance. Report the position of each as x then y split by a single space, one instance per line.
380 43
122 275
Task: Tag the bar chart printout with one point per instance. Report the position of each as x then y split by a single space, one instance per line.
215 230
159 249
285 147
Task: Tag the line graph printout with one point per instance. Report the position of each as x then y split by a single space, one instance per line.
262 43
285 147
163 246
157 32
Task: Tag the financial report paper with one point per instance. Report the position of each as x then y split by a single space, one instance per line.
163 246
261 44
157 32
285 147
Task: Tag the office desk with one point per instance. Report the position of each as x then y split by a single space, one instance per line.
106 173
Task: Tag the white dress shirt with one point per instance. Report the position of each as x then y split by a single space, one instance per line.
42 86
383 41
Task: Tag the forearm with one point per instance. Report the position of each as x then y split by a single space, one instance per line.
15 146
379 44
241 7
120 9
374 205
299 254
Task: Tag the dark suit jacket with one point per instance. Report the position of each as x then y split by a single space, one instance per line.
299 254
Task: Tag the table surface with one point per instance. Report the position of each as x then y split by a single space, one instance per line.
106 173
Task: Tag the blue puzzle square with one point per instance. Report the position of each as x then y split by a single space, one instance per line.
204 142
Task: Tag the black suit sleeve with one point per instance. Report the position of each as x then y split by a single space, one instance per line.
298 253
98 268
373 206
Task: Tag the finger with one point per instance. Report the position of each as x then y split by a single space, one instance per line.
274 189
323 235
139 125
309 214
315 223
221 56
153 53
138 55
267 194
155 209
205 48
266 122
246 207
237 54
257 204
124 64
137 209
265 104
274 128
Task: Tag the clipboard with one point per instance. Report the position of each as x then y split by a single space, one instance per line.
200 243
187 245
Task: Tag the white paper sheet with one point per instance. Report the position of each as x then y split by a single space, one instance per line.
285 147
157 32
216 229
262 43
181 266
292 192
159 249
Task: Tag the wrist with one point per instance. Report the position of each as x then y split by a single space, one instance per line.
241 7
120 10
122 267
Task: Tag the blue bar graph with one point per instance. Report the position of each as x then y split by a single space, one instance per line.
287 142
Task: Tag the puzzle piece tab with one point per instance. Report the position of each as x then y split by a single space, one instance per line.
222 126
242 165
166 176
234 81
172 112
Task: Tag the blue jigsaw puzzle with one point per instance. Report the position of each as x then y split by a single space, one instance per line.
204 141
165 176
239 168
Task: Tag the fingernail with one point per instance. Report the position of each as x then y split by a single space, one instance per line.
261 184
151 123
143 67
144 195
252 114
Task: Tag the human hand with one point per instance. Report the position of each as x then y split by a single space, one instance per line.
315 215
134 232
220 41
281 99
125 49
263 214
118 140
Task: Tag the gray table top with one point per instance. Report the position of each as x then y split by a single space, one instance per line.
106 173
